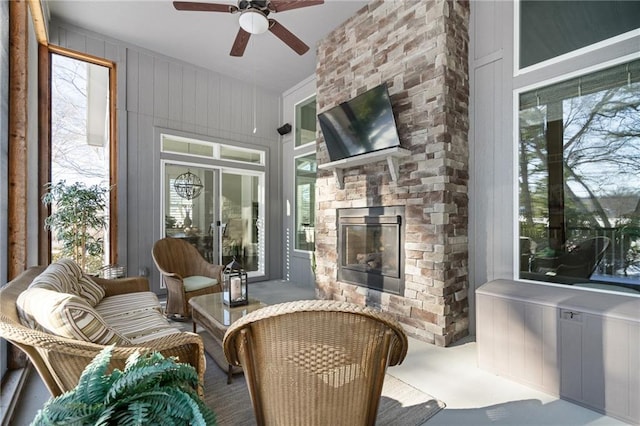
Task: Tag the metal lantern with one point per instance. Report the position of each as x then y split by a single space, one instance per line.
234 285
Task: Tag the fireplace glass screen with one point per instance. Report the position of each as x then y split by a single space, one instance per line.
371 248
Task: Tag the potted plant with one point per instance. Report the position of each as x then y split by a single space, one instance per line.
152 389
78 220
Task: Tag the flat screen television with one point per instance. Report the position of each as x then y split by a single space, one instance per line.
361 125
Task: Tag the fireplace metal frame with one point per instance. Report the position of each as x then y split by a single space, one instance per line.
384 215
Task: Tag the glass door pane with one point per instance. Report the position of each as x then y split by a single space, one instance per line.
190 207
242 211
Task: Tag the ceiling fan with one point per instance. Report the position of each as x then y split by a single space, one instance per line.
254 19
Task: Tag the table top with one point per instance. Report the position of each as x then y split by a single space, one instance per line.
213 308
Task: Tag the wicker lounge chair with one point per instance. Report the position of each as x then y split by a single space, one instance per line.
185 273
60 361
315 362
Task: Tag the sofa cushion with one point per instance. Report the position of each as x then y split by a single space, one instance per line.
66 315
126 304
197 282
143 326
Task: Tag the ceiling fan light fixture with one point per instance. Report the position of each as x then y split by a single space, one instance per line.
253 21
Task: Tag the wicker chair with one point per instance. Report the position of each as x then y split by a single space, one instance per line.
60 361
185 273
315 362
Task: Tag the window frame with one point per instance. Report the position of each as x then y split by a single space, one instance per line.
516 160
295 199
44 169
295 125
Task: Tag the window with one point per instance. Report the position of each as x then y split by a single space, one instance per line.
579 186
552 28
305 120
305 193
82 140
215 150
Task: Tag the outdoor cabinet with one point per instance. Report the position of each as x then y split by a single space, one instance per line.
579 345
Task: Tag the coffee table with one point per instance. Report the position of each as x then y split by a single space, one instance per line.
210 312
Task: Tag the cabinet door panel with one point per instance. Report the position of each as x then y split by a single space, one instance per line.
570 356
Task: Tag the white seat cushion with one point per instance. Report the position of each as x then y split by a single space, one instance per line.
129 303
198 282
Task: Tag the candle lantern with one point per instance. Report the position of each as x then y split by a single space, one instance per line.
234 285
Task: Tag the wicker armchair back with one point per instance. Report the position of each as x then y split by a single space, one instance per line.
315 362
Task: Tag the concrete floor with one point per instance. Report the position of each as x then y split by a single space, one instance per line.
472 396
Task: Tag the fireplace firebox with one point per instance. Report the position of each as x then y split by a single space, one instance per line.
370 242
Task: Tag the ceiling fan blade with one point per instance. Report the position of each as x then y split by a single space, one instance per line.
204 7
240 44
287 36
282 5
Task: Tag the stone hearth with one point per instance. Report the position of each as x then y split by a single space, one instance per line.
420 50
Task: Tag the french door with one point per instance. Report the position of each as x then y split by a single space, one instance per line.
220 211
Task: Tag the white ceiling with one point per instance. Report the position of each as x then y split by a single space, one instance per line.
205 38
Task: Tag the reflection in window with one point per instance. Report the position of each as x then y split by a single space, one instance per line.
579 189
306 122
242 213
305 202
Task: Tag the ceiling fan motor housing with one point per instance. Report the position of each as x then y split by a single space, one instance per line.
261 5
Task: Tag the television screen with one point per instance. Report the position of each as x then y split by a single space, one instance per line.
359 126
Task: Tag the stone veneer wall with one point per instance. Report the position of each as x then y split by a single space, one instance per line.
420 50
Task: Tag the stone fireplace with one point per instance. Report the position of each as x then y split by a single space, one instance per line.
371 247
420 49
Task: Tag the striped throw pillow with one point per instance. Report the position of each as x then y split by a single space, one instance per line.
66 315
61 276
90 290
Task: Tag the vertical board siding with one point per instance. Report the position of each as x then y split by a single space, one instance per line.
133 79
175 92
155 91
201 103
160 94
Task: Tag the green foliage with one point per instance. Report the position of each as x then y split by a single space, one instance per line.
152 389
78 220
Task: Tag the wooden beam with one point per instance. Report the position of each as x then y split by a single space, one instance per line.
17 191
39 23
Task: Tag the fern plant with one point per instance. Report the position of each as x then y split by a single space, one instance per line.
152 390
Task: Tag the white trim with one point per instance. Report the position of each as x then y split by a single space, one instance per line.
578 73
517 71
516 37
516 184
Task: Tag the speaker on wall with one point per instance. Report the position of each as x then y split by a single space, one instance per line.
284 129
